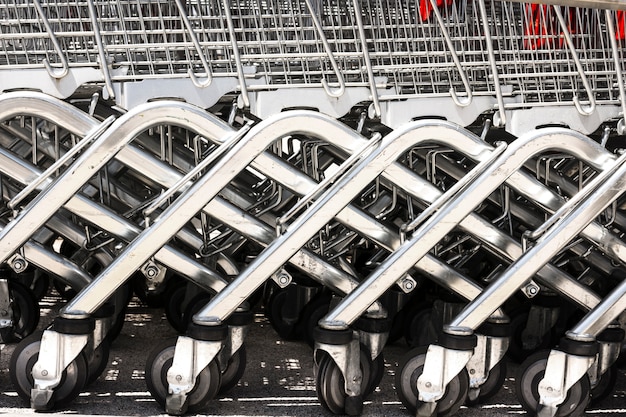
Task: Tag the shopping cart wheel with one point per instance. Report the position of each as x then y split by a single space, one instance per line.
377 371
531 372
311 314
174 309
121 299
420 329
160 361
285 330
234 370
24 358
411 368
99 360
25 310
492 385
605 385
521 347
331 388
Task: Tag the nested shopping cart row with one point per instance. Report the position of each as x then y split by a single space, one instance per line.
169 194
446 171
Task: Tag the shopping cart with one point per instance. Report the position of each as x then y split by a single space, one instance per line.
367 69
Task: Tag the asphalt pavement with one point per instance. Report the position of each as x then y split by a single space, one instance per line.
278 380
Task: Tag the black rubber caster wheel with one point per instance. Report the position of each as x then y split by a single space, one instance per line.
411 368
99 360
234 370
273 311
174 309
312 313
120 299
377 371
25 309
531 372
519 347
605 386
492 385
23 360
196 304
420 329
160 361
331 388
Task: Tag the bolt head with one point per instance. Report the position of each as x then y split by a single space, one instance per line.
44 373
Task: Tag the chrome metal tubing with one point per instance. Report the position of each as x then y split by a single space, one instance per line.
47 260
451 215
308 123
108 220
181 210
342 137
559 235
320 212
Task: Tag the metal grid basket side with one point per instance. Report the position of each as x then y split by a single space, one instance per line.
544 60
56 33
298 43
428 49
155 39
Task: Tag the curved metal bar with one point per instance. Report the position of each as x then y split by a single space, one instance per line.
79 123
184 207
343 137
366 57
54 72
116 225
556 237
455 57
194 39
450 214
501 120
233 40
46 203
585 111
318 214
104 62
333 62
31 186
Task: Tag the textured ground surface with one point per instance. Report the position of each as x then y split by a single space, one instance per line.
278 381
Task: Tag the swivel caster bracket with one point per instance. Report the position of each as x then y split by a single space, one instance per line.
441 366
57 352
236 337
347 358
488 353
563 370
190 358
375 342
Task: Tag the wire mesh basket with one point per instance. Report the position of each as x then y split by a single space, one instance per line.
516 55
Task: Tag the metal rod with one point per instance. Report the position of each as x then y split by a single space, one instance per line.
94 134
